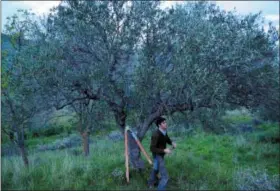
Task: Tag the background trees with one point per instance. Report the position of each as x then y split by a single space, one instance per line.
20 94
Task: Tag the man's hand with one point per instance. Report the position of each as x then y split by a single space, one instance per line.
167 151
174 145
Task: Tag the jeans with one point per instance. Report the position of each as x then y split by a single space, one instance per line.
159 167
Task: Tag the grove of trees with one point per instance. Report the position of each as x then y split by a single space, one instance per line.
132 59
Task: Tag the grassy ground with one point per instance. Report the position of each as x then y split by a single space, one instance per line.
238 116
201 162
32 143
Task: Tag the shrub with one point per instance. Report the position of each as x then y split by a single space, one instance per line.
268 132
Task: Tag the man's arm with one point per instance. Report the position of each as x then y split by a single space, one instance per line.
153 146
170 142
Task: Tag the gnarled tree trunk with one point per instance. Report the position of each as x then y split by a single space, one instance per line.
20 143
135 159
134 152
120 118
85 139
23 153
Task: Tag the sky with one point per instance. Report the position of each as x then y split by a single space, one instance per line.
269 9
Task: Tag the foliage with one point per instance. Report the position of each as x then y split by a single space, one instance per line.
268 132
161 64
20 97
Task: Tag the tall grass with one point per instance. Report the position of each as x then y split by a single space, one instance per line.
200 162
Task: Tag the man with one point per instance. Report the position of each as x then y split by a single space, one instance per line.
158 148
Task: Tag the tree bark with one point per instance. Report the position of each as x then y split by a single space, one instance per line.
120 118
134 152
20 143
143 127
135 159
23 153
85 138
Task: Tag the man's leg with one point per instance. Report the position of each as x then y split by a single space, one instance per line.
154 172
163 174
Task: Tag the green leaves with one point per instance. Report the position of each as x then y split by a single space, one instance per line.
19 96
135 54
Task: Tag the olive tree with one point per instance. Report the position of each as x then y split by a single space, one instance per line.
20 97
197 56
140 59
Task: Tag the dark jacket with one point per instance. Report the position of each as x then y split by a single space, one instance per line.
158 143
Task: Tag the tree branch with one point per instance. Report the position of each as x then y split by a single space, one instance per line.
70 102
